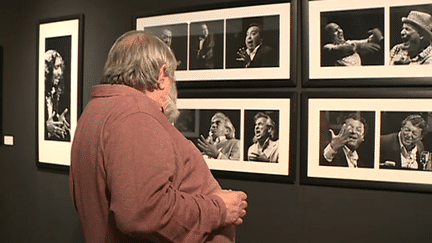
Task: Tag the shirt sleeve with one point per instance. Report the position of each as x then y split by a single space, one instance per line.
329 153
233 153
141 171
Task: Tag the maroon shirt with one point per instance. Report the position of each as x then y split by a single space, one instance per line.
135 178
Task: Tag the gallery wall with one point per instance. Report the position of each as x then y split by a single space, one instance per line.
35 203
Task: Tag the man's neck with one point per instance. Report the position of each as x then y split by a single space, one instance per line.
218 139
156 96
263 142
416 51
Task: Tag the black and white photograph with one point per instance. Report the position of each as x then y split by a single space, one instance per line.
176 37
57 88
235 135
411 35
377 42
368 142
352 37
59 82
206 45
262 136
347 138
218 134
406 141
253 42
238 43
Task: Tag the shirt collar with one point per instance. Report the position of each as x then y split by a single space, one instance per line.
220 139
352 156
425 53
114 90
252 53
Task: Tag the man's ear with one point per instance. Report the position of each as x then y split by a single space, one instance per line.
162 78
227 131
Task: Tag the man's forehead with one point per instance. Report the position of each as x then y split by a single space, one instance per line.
167 32
411 125
261 120
353 121
253 29
217 119
409 25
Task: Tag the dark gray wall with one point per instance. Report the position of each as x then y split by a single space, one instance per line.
35 204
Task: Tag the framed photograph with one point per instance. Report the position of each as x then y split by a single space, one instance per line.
59 101
367 43
241 137
368 139
237 44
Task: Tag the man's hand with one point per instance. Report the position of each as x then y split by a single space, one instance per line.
401 60
62 118
54 127
243 56
207 148
236 204
258 157
375 35
388 164
338 141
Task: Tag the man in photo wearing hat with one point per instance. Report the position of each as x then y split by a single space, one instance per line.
416 34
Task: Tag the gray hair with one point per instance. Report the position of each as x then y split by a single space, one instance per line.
270 124
417 121
50 58
135 60
227 123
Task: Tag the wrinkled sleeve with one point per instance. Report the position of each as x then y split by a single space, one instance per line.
339 51
140 166
233 153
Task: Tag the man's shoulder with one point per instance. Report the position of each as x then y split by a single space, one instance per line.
233 141
389 142
389 137
396 48
273 143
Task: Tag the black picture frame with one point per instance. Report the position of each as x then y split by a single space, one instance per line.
240 107
384 112
356 19
59 60
277 18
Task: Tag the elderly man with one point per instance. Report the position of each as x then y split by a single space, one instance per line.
416 34
341 52
264 147
221 142
342 149
134 177
401 150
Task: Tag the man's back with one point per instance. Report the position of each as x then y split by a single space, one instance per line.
135 177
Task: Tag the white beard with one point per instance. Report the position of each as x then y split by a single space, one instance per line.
170 108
